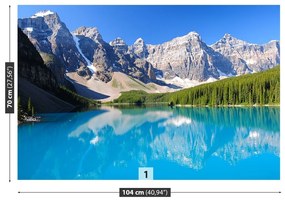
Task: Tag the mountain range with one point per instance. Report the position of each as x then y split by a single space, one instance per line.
92 65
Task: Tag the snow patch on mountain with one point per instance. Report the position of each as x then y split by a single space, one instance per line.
185 83
89 63
42 14
29 29
251 61
223 75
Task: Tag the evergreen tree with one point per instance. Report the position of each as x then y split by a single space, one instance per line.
29 106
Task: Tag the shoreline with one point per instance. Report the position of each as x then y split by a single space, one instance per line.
35 119
216 106
180 105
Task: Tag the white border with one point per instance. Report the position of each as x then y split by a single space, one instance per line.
11 189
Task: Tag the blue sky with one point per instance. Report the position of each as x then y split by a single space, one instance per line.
157 24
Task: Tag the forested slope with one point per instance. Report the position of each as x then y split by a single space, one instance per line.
258 88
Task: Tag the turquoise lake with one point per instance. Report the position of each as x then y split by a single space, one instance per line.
182 143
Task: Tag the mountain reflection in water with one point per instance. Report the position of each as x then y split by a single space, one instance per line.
112 143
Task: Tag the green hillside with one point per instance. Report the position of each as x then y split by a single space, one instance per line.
259 88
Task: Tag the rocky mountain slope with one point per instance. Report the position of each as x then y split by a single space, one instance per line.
188 57
31 66
36 81
246 57
184 61
105 59
51 37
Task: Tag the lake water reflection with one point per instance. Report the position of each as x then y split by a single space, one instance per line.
179 143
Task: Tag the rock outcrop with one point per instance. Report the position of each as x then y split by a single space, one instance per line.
36 82
246 57
51 36
188 57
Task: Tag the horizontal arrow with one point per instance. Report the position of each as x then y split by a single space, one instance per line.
174 192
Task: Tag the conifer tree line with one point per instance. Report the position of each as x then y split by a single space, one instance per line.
258 88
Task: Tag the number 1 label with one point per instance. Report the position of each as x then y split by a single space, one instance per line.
146 173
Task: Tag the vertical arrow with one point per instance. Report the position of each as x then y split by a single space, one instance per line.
9 33
9 113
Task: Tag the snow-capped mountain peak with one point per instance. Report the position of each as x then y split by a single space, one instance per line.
90 32
227 36
139 48
191 36
117 42
139 41
194 34
232 41
119 45
42 13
